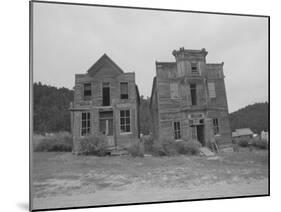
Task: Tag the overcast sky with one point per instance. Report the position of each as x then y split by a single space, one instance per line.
68 39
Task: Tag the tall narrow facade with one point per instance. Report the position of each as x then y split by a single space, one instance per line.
106 102
188 99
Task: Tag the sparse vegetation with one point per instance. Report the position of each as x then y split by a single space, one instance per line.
56 142
136 149
260 144
93 145
188 147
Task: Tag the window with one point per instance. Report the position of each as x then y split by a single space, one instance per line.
212 90
105 94
177 130
87 90
174 90
124 93
216 126
193 94
194 69
86 123
125 121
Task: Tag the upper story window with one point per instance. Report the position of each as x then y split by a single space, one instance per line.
194 69
216 126
86 123
193 94
125 121
87 91
174 90
212 89
124 91
177 130
105 94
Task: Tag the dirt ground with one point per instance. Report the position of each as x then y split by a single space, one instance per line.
66 180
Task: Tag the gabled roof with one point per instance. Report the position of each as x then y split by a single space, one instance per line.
243 131
104 60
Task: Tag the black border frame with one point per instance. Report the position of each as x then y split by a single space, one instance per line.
31 2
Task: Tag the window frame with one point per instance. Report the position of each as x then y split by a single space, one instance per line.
212 90
193 91
126 94
177 130
88 96
216 128
196 70
87 121
125 124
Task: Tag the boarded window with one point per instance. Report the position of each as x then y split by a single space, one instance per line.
174 90
124 92
86 123
216 126
212 89
125 121
193 94
87 90
177 130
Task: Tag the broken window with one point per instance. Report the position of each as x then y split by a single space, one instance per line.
212 90
193 94
177 130
125 121
194 69
87 91
86 123
124 92
105 94
174 90
216 126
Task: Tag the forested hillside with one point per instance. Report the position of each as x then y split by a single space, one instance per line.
51 106
253 116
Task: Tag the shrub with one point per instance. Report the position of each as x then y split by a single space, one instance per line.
260 144
243 143
169 146
57 142
158 150
188 147
93 145
136 149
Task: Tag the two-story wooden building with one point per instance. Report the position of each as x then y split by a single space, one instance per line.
106 101
188 99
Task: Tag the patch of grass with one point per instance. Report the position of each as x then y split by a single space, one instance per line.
57 142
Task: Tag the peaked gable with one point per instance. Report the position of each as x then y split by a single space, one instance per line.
104 61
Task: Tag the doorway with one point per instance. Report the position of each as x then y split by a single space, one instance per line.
106 126
200 134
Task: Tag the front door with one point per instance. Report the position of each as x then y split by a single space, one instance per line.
106 126
200 134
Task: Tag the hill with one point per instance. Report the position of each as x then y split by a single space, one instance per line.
253 116
50 108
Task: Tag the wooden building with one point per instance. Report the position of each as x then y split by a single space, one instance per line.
188 99
106 101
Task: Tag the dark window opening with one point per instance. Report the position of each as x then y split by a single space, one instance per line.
193 94
177 130
216 126
124 92
125 121
105 94
86 123
87 91
194 68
